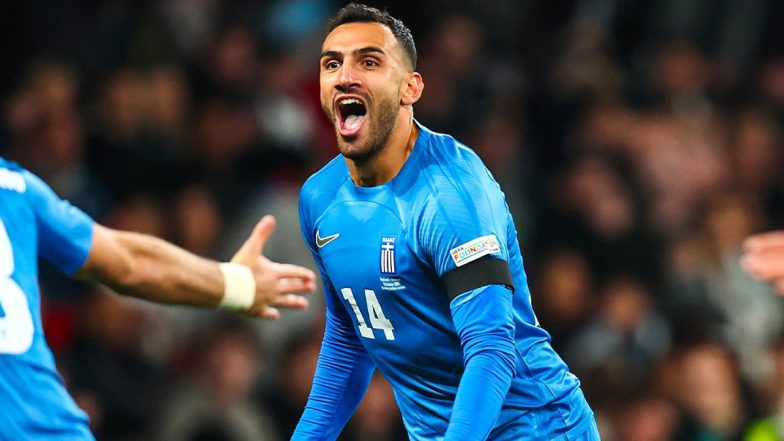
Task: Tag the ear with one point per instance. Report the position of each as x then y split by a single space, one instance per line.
412 90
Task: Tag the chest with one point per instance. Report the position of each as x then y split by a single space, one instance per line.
366 245
379 275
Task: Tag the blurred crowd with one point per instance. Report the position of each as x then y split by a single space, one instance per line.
638 142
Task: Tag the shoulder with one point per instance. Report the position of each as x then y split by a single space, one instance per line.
325 181
320 188
453 162
447 148
455 173
461 195
16 179
8 164
462 206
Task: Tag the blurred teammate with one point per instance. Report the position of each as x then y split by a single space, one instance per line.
763 257
35 222
422 269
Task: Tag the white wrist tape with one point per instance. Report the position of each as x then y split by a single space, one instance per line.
239 287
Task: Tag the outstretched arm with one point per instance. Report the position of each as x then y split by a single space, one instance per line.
146 267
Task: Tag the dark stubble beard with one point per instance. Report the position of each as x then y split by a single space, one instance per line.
381 126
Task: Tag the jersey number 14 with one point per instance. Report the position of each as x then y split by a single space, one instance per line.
377 318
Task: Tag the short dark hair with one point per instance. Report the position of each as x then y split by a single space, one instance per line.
360 13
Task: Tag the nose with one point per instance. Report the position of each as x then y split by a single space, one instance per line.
348 78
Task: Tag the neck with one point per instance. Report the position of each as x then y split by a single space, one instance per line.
385 165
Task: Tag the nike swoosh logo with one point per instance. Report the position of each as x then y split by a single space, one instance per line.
322 241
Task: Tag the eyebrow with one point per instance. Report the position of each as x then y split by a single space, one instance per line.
356 52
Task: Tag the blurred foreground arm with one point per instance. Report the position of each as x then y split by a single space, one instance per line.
763 257
153 269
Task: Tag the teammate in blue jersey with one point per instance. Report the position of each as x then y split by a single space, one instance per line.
421 266
34 222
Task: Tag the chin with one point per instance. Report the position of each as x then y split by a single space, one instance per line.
355 151
354 154
354 146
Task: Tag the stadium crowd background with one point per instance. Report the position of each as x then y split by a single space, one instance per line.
638 143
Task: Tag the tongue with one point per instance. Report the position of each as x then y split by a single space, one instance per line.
353 121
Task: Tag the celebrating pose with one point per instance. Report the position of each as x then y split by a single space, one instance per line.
422 270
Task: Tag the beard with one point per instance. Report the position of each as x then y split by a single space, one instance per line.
382 122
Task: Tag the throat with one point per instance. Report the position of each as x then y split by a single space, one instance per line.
382 167
367 173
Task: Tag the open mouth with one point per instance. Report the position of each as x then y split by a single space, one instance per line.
351 114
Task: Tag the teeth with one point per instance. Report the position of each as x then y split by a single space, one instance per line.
350 101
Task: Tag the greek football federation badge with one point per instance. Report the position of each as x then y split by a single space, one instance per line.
388 255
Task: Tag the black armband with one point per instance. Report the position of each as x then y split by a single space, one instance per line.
476 275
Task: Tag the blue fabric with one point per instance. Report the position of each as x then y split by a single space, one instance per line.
382 252
33 399
485 325
342 376
65 232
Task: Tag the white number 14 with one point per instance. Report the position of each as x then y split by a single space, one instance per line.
377 318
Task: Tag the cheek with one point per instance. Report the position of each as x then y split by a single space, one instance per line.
325 89
326 103
398 89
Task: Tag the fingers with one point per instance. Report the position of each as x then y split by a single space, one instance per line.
298 286
270 313
764 241
284 299
254 245
286 270
766 266
290 301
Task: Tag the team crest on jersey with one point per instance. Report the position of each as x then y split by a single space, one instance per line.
388 255
474 249
389 279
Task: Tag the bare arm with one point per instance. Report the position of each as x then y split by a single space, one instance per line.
150 268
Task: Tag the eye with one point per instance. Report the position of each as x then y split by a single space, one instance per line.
331 64
370 62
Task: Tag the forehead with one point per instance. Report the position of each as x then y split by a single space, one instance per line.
351 36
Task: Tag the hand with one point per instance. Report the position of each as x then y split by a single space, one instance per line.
763 257
277 284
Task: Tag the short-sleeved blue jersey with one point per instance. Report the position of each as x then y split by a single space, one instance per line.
34 222
383 252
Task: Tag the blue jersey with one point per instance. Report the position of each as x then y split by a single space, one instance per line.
387 256
34 222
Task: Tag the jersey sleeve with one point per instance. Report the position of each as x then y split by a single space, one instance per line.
343 374
462 230
484 323
344 367
65 233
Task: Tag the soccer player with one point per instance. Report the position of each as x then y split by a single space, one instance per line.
35 222
421 266
763 257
